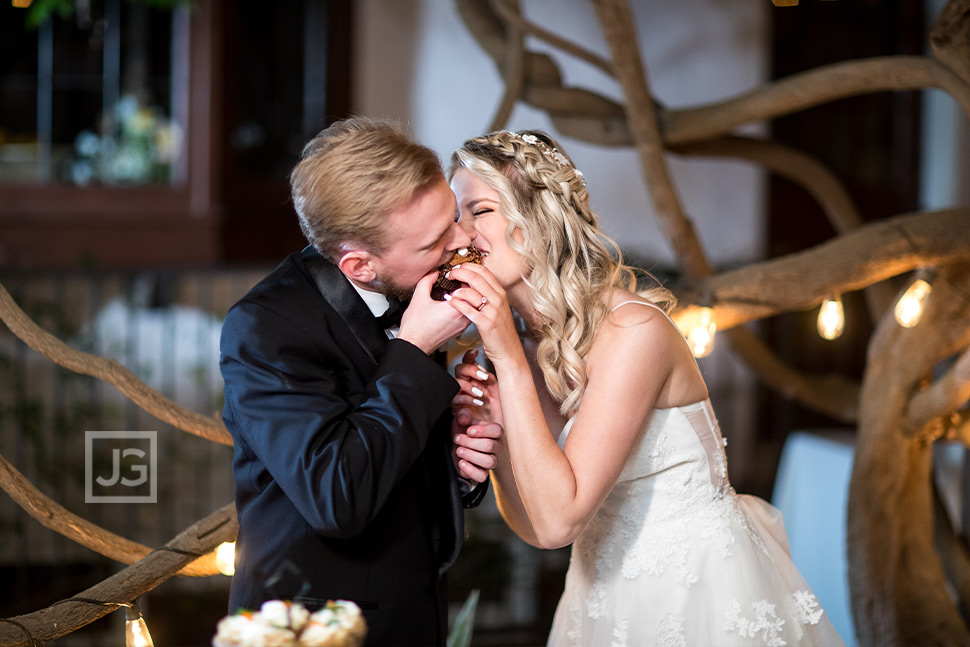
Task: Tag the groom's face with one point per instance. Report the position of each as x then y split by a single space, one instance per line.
424 235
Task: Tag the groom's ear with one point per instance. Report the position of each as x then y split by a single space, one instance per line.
358 265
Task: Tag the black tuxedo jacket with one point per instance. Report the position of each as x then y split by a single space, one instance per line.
344 484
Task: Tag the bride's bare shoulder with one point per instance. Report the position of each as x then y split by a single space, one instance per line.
626 309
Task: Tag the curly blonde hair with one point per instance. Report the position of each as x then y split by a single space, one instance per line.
569 262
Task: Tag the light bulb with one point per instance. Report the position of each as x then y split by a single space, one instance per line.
136 631
831 319
226 558
698 327
909 309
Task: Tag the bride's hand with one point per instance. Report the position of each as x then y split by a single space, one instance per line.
485 304
479 391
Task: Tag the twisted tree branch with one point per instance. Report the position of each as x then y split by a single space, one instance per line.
61 520
109 371
134 581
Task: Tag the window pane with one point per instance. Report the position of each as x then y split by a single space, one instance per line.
87 99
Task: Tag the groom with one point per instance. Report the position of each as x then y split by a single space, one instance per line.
345 475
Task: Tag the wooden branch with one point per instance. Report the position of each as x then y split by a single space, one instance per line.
896 578
834 395
849 262
108 371
513 18
810 174
821 85
956 427
618 27
950 37
942 397
80 530
952 550
134 581
513 69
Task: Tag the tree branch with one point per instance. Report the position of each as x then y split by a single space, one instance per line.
54 516
617 23
950 37
810 174
509 11
132 582
849 262
108 371
812 88
942 397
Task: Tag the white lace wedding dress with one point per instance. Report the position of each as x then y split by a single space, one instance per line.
674 557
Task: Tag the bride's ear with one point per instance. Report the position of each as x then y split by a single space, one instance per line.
358 265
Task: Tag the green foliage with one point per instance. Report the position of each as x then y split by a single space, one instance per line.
461 632
41 10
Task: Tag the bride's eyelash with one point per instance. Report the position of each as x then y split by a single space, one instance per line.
481 212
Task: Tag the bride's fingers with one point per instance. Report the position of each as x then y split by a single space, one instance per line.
472 373
470 383
475 275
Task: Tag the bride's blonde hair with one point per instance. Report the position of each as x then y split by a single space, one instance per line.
569 262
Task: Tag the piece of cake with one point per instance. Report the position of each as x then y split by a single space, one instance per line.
443 286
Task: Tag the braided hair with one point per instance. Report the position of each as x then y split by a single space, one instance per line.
569 262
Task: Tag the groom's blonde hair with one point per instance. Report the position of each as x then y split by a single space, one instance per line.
351 176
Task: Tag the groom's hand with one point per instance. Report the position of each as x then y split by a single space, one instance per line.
427 323
476 443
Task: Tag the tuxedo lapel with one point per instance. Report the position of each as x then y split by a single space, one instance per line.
336 289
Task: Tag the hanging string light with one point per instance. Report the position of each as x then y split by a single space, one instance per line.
831 318
136 631
698 327
226 558
910 307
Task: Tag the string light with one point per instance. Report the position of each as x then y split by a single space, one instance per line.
698 326
226 558
910 307
831 318
21 4
136 630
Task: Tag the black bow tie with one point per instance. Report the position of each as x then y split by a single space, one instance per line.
393 315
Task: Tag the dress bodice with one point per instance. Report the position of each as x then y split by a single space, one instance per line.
686 436
675 558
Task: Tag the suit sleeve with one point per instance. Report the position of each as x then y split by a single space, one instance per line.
336 462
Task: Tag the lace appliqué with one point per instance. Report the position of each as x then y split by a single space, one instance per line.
621 633
766 623
670 633
802 608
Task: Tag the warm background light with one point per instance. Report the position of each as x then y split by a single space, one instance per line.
136 630
909 309
831 319
697 325
226 558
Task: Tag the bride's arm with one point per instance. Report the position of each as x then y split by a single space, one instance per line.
480 392
628 366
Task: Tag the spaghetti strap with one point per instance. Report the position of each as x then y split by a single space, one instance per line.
663 312
644 303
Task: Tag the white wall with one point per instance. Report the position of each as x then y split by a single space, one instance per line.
416 61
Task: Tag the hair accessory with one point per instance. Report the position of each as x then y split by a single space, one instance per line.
551 151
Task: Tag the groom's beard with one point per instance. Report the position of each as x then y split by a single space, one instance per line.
388 287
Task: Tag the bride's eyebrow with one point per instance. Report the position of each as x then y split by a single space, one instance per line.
471 204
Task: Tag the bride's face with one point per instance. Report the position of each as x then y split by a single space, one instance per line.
479 211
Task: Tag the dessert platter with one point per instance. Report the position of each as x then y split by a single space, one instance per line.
280 623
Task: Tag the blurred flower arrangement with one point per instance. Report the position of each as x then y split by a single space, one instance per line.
139 148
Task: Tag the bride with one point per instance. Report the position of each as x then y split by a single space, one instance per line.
610 442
